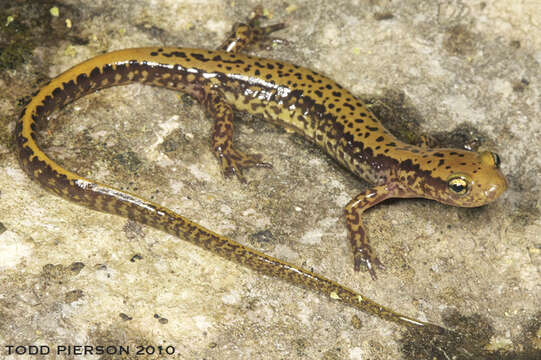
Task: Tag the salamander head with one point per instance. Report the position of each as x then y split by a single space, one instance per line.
460 178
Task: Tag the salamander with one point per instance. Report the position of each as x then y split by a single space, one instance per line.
299 99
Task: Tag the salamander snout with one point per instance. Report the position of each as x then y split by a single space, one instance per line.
496 183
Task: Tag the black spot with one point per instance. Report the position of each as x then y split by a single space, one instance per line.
318 93
391 144
270 66
57 92
218 58
440 163
440 155
174 53
359 121
379 139
69 88
336 93
372 128
95 73
82 81
199 57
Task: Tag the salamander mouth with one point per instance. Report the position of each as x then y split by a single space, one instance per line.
496 188
494 191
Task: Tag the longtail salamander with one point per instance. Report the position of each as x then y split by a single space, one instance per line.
296 98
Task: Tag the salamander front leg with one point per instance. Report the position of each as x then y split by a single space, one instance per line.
244 35
362 251
232 160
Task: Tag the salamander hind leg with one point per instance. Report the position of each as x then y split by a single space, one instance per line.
362 251
246 34
232 160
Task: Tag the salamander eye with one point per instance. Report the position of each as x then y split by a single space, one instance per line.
458 184
497 160
490 159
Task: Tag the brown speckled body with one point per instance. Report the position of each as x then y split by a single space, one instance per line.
286 94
